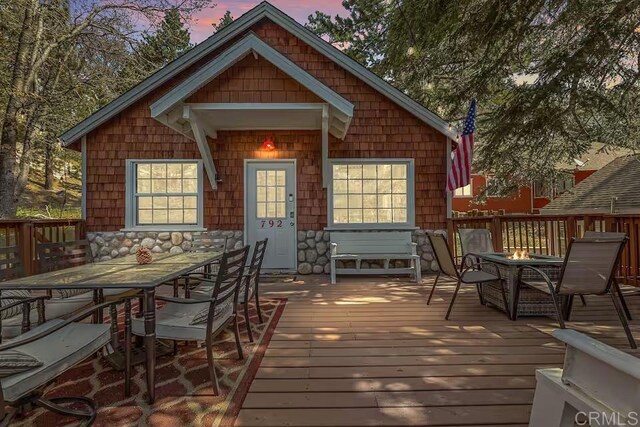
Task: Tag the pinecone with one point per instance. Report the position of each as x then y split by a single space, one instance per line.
143 256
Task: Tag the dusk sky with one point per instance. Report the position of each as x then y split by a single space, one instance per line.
298 9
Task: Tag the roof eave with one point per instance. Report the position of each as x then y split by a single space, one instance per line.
263 10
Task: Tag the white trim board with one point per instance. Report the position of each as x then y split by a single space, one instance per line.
263 10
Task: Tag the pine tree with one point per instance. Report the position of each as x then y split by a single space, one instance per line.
171 40
224 21
552 77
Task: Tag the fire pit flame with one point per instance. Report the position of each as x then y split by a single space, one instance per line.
520 255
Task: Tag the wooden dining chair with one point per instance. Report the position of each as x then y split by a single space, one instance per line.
589 268
466 275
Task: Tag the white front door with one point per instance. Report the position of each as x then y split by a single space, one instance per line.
270 211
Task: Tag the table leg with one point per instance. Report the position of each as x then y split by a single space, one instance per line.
150 340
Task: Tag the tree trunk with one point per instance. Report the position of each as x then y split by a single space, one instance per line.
9 135
48 165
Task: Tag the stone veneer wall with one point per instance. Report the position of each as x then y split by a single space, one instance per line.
109 245
313 247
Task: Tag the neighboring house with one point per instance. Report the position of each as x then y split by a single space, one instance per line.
531 198
613 189
262 130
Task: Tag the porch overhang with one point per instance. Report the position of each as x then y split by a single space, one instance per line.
198 121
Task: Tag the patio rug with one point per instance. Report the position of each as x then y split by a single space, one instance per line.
184 395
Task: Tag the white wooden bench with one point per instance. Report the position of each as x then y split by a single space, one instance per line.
374 245
598 384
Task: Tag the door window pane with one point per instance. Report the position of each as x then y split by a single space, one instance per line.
271 193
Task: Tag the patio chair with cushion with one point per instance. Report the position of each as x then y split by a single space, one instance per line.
186 319
468 274
202 243
32 361
57 306
60 255
589 269
249 288
474 240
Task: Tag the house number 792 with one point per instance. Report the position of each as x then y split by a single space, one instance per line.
271 223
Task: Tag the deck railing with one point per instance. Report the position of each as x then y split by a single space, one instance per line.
26 234
550 234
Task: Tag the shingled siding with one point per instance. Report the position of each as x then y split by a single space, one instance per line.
379 129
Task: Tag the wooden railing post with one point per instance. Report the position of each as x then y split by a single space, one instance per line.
572 228
25 247
496 232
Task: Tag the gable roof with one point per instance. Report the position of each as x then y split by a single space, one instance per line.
619 179
263 10
340 110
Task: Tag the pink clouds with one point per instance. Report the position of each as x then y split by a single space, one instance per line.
297 9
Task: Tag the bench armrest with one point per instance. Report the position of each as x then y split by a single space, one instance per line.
414 248
334 248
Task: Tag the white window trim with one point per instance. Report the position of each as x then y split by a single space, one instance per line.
130 204
411 200
463 196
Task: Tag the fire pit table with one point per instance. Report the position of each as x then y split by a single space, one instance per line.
532 302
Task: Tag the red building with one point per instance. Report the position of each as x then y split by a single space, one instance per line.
529 199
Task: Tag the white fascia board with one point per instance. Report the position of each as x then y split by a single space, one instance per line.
360 71
164 74
263 10
249 43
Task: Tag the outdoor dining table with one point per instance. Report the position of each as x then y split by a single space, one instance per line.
532 302
123 273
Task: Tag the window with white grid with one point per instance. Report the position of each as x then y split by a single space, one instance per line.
372 192
271 193
165 193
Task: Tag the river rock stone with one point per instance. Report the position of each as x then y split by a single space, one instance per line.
157 250
301 256
305 268
302 245
165 235
321 248
176 250
123 251
148 242
176 238
311 255
317 269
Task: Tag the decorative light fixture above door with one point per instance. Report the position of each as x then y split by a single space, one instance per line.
268 144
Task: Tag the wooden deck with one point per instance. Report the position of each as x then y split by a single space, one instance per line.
370 352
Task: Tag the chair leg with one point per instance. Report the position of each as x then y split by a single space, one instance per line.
479 289
247 320
212 367
258 307
433 288
504 299
584 301
623 320
455 294
622 300
236 332
55 405
559 313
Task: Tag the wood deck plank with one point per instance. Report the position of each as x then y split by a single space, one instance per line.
371 352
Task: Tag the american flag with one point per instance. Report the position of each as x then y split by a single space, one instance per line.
460 173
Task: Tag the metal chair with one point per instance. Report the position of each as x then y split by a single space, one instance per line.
185 319
201 243
58 345
248 289
589 269
466 275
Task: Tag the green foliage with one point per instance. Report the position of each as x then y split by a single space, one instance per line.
171 40
226 19
552 77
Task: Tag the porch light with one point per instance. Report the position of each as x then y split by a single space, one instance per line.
268 145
